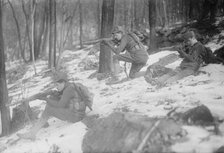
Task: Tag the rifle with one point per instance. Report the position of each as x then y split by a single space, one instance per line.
114 41
97 41
180 50
34 97
168 48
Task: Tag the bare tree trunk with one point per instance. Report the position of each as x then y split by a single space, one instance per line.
63 34
45 32
152 23
50 35
55 33
99 18
80 24
132 14
125 13
61 42
159 17
180 10
105 62
175 12
32 22
39 29
4 110
27 28
184 11
18 31
187 10
165 13
136 19
129 14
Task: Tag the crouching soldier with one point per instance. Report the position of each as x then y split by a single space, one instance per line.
69 106
136 53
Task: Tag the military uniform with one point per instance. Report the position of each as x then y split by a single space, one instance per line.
187 67
195 52
136 54
70 107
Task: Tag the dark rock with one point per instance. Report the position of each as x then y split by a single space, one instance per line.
155 71
220 150
121 132
158 69
199 115
102 76
20 115
219 53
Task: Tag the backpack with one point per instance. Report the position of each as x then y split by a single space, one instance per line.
208 57
85 94
136 39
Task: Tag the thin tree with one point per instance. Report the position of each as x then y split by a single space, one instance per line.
18 31
165 13
55 32
152 23
4 110
27 28
50 35
105 61
32 22
45 32
80 24
98 17
137 19
63 34
39 18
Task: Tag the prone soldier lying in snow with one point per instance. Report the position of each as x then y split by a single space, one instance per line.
69 105
192 61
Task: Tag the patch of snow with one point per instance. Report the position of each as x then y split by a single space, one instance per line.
65 135
132 96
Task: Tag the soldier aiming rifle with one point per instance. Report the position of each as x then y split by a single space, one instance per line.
136 53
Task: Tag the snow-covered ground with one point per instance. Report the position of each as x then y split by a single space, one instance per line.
134 96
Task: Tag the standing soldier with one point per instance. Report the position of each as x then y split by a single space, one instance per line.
136 53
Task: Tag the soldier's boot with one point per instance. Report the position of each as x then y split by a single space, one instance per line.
149 77
112 80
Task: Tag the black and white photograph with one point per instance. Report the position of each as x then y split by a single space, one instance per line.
111 76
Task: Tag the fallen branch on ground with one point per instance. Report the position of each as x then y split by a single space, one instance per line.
142 144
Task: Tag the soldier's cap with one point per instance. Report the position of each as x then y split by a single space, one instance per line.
60 77
188 34
118 29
